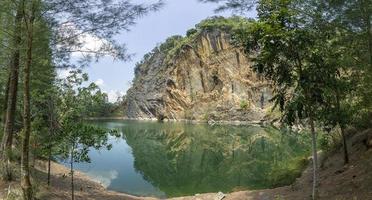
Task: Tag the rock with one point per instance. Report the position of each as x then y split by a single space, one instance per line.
219 196
211 122
206 79
368 136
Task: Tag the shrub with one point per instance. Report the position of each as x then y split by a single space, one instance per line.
245 104
287 174
191 32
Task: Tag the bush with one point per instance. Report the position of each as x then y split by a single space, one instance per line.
205 117
325 142
191 32
286 175
245 104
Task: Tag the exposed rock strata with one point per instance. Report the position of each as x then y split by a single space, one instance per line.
206 79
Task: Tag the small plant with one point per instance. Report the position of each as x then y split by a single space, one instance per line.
325 142
14 193
279 197
244 105
205 116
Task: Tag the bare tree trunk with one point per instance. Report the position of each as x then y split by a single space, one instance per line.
72 174
342 127
25 164
5 100
346 152
368 30
315 160
51 133
7 140
49 159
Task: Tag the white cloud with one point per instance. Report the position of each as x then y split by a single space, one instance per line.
63 73
85 43
99 82
104 177
113 95
90 43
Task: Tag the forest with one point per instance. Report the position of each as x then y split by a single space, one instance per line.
316 55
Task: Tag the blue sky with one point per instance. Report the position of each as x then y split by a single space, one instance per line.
175 18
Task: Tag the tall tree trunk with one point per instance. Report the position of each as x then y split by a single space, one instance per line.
49 163
5 100
51 133
342 127
315 160
7 140
72 174
346 153
368 15
25 164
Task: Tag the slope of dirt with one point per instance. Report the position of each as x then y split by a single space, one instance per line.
85 187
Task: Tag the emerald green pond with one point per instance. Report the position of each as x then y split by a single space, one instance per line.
177 159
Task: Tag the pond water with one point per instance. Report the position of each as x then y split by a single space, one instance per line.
177 159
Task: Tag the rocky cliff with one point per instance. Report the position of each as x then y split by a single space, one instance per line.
202 77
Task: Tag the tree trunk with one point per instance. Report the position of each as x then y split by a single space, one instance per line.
25 164
51 133
5 100
315 160
342 127
346 152
7 140
49 159
72 174
369 31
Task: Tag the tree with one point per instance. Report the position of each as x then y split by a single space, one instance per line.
11 91
76 142
76 137
312 51
29 18
67 22
287 57
353 18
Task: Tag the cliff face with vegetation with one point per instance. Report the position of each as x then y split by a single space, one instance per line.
202 76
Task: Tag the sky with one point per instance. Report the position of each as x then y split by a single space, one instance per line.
175 18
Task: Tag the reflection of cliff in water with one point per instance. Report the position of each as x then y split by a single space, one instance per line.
183 159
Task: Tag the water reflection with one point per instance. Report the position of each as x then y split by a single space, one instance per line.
174 159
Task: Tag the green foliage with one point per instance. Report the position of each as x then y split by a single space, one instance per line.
244 104
38 35
222 23
325 142
239 6
78 138
287 173
170 43
191 32
206 116
75 136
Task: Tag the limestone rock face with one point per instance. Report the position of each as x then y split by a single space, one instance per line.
206 79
